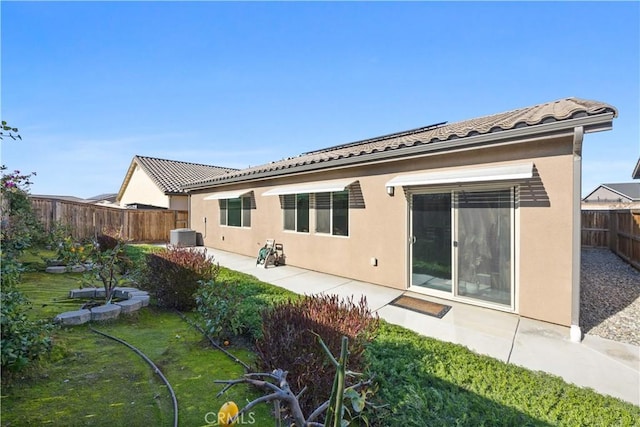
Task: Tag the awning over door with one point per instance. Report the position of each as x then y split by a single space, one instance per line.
311 187
227 195
517 171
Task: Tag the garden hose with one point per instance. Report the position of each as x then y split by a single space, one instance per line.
155 369
213 343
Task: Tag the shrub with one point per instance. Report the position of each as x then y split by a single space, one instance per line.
72 253
223 311
288 341
19 226
231 306
172 275
23 340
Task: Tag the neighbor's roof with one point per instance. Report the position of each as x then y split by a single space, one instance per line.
438 136
57 197
171 175
636 171
629 190
106 196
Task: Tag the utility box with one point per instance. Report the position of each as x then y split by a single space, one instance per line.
182 237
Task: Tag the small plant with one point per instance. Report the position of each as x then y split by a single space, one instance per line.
287 340
71 253
173 274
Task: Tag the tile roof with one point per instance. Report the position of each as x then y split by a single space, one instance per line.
555 111
171 175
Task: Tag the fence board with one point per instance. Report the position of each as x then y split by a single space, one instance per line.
85 220
618 230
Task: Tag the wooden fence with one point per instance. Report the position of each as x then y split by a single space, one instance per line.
86 220
618 230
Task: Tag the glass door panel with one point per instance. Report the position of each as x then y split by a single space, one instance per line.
431 248
484 245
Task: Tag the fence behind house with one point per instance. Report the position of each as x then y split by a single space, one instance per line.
618 230
85 220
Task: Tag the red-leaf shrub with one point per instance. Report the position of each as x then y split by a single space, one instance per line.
172 275
288 342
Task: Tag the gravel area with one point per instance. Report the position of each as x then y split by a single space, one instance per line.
609 297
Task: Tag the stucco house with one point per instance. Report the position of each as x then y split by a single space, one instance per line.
483 211
157 183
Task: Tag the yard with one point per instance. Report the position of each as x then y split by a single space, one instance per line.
90 380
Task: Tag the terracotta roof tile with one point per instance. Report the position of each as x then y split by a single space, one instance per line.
559 110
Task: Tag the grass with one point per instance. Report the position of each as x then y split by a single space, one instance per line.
91 380
427 382
421 381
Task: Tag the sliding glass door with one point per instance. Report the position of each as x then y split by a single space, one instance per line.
484 230
431 241
462 245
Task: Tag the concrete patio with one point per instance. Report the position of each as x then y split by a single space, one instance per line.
609 367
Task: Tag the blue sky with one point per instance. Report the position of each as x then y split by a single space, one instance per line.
91 84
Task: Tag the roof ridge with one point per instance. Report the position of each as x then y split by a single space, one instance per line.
184 162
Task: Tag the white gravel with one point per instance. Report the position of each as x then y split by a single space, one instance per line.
609 297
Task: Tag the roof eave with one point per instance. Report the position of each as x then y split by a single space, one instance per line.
127 178
590 124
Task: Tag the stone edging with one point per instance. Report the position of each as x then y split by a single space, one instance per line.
134 300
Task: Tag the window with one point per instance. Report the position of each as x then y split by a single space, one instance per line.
236 212
332 213
296 212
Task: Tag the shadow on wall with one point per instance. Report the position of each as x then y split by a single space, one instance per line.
532 192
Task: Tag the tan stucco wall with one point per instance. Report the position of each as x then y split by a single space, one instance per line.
141 189
543 230
179 203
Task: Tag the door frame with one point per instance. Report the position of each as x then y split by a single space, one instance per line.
453 294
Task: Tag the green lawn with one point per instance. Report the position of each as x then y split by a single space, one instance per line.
421 381
92 380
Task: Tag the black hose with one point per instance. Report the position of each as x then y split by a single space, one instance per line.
155 369
246 367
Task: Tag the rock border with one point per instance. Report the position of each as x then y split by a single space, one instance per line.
133 300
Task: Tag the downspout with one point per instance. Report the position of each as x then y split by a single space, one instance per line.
189 211
575 331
